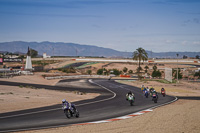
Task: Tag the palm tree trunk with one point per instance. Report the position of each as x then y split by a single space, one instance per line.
139 65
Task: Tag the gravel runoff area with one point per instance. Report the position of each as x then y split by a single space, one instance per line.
181 116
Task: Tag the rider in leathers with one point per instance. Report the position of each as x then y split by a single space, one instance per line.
68 104
130 93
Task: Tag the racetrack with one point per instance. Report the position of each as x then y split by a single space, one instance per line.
110 104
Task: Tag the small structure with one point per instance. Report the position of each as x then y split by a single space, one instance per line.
46 56
168 74
28 61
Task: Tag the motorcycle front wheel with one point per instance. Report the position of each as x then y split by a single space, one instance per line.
155 100
77 114
68 114
131 102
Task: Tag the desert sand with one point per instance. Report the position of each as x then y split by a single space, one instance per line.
180 116
14 98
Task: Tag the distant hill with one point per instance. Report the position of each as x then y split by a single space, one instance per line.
72 49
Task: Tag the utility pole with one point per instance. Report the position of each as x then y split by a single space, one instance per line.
177 67
53 54
76 52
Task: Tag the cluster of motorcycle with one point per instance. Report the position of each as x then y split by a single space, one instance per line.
71 111
152 92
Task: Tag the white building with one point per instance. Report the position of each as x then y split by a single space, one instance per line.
46 56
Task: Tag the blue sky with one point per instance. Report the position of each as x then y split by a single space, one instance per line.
124 25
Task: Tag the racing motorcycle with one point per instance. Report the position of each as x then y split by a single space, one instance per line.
146 94
163 93
70 112
151 91
154 98
131 99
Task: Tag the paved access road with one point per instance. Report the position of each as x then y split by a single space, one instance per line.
110 104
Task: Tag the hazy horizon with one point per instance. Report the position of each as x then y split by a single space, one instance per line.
122 25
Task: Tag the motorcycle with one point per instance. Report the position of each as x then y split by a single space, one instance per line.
70 112
154 98
163 93
146 94
131 99
151 92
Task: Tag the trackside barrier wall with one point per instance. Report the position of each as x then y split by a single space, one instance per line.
78 76
149 61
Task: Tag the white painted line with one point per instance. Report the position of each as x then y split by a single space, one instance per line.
165 103
102 121
138 113
29 113
114 95
128 116
123 117
148 110
99 122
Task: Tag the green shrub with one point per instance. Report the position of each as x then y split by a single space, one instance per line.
21 86
197 74
116 72
180 75
89 72
156 74
130 71
99 71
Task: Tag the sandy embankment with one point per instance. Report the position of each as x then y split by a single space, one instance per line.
181 116
14 98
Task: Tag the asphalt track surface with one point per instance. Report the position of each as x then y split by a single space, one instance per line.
110 104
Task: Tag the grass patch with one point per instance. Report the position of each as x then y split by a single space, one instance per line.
21 86
163 81
32 87
87 64
44 62
7 93
67 65
159 80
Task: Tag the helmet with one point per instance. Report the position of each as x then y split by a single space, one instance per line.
63 101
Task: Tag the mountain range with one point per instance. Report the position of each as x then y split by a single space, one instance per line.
72 49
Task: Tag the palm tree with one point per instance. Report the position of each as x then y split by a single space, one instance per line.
146 68
125 69
140 54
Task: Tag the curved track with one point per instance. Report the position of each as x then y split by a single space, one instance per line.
110 104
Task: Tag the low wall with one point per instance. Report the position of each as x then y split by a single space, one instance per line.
78 76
